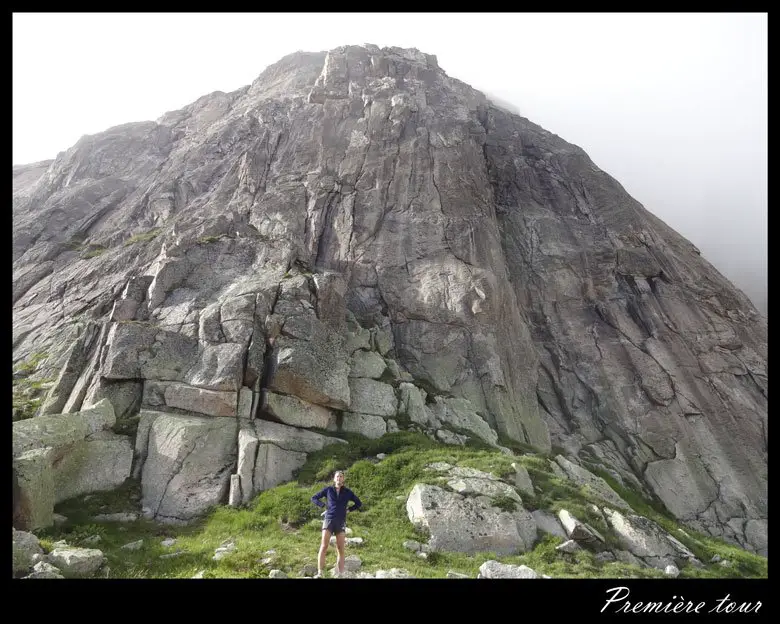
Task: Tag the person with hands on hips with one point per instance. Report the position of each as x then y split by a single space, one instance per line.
337 496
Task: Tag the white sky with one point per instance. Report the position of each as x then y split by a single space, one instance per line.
673 105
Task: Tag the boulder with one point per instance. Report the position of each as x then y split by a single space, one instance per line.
459 524
495 570
187 466
25 547
77 562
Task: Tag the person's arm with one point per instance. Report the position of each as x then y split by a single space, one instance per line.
316 498
355 500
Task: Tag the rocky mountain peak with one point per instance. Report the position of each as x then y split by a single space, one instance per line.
422 258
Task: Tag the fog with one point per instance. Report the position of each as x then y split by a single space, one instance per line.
674 106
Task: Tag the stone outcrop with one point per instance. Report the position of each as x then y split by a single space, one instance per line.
281 450
595 484
495 570
25 549
470 524
648 542
578 531
187 462
293 411
76 562
360 204
57 457
548 523
64 561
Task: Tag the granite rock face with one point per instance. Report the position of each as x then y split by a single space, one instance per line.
362 200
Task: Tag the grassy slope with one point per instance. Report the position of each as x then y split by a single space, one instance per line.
284 520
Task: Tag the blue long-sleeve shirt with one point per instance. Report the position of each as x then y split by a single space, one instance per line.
336 508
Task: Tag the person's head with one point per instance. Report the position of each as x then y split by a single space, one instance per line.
338 478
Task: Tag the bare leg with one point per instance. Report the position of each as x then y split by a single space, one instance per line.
340 539
323 551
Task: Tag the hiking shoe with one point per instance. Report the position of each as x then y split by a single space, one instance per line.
318 575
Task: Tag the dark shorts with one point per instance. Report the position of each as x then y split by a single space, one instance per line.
334 526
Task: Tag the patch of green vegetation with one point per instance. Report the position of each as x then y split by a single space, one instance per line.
27 394
76 243
284 520
505 503
555 492
30 365
744 563
46 544
321 464
23 407
143 237
94 251
637 502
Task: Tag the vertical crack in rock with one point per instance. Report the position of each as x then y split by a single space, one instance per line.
385 307
764 435
270 160
324 240
594 332
445 219
251 463
245 373
387 206
249 381
223 338
265 378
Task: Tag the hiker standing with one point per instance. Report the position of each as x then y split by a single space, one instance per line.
335 522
